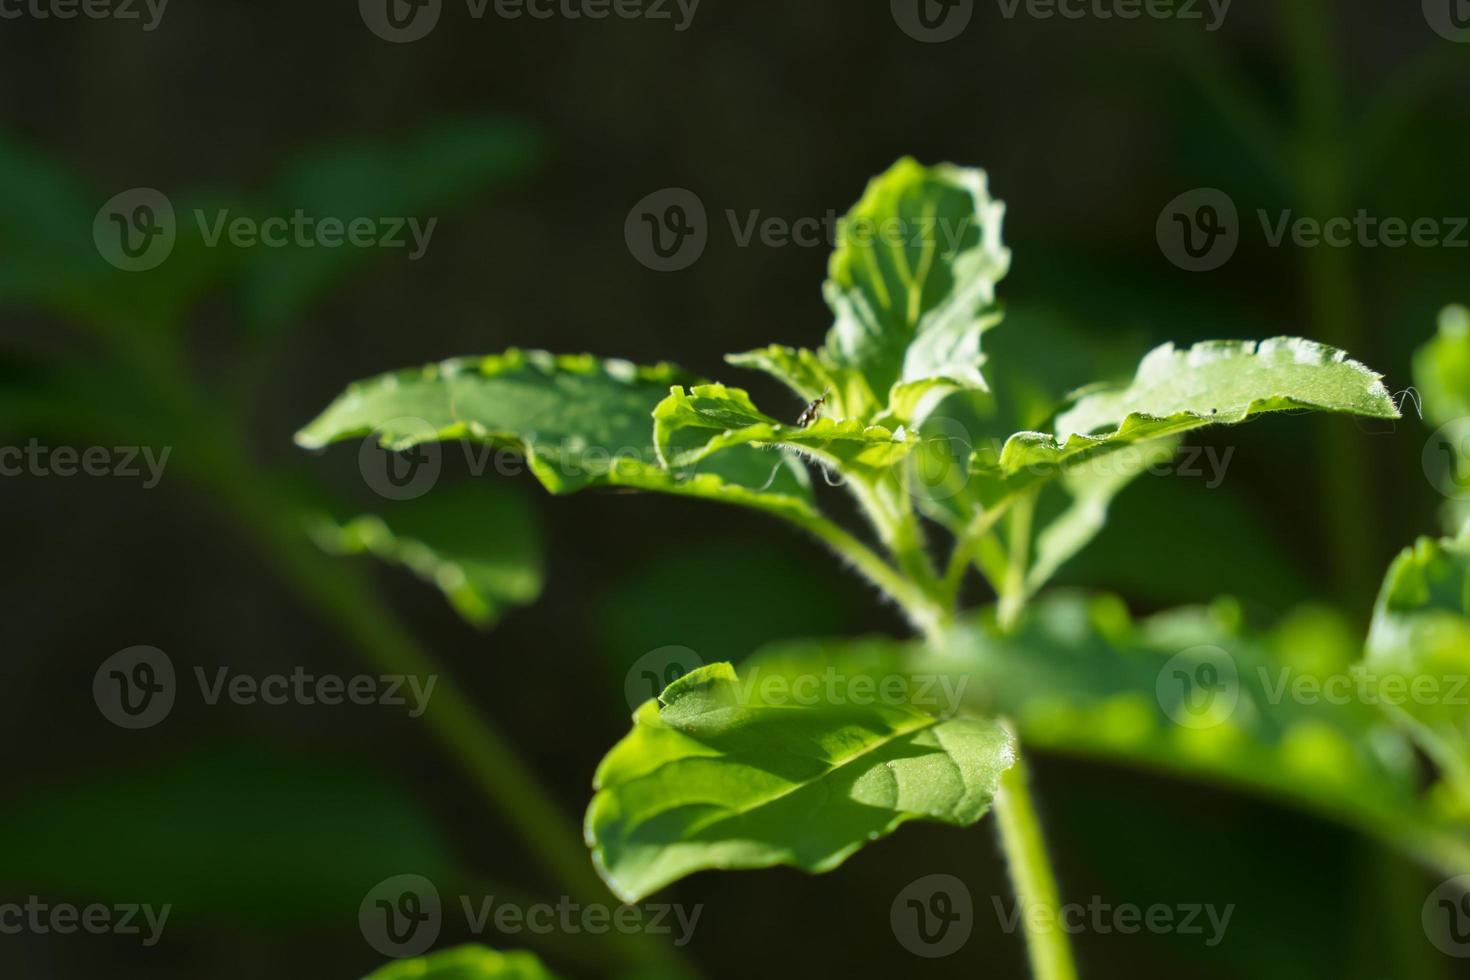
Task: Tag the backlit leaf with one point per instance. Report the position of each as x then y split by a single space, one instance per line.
717 775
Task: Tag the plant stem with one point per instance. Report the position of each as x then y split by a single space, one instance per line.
343 596
1013 590
928 616
968 546
1032 879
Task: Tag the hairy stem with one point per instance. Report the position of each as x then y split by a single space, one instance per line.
928 616
1013 590
1032 879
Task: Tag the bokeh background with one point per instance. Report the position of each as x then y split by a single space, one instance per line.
264 826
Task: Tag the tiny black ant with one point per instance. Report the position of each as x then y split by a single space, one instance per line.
812 412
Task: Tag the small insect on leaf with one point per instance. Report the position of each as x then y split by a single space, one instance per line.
813 411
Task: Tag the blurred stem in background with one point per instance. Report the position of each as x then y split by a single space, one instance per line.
1320 176
343 596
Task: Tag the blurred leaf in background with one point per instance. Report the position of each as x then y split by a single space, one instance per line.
478 543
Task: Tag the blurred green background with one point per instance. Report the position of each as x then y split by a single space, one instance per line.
530 141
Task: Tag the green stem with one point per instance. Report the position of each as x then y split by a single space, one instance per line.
1013 590
971 539
1032 879
928 616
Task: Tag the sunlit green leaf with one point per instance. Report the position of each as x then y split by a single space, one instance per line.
720 775
466 963
579 421
1175 391
691 426
912 282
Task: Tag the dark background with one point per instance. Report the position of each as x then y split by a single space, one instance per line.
1087 129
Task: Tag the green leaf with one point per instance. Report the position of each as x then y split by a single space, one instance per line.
1442 369
570 416
1231 381
1421 635
479 546
692 426
579 421
52 263
298 841
716 775
466 963
806 372
1189 693
1442 374
417 178
1175 391
912 281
